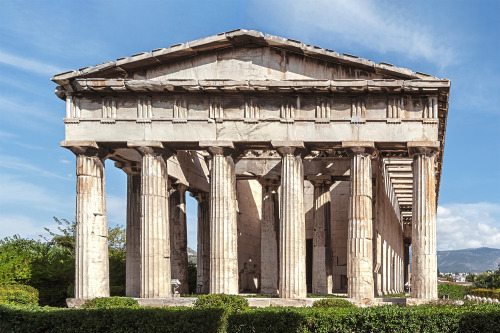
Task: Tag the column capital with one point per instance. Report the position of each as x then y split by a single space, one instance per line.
130 168
427 148
218 147
270 182
151 148
289 147
200 196
178 186
86 147
320 180
366 148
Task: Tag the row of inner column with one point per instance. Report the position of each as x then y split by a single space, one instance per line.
149 257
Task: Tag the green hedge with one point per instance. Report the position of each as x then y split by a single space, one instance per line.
451 291
492 293
469 318
111 303
18 294
119 320
229 302
332 303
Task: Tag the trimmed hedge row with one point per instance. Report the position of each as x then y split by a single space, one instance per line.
481 292
451 291
428 318
19 294
45 319
333 303
111 303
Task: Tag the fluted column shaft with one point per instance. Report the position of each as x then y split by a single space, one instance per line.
178 237
385 271
292 242
91 244
424 259
203 251
223 224
393 272
155 240
322 282
359 241
269 229
133 239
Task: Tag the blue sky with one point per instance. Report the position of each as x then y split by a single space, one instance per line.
454 39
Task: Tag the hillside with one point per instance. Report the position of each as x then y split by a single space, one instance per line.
468 260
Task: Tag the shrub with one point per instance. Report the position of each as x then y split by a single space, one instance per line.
18 294
111 303
481 292
452 291
429 318
34 319
332 303
229 302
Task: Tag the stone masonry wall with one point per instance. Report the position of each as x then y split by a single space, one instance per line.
249 195
339 219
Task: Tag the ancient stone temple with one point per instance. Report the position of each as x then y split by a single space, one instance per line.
314 172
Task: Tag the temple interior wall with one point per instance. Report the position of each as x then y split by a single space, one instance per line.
339 220
308 208
249 196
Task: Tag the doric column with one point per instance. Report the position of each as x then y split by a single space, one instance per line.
203 250
385 268
359 239
91 244
322 254
133 239
223 223
406 260
378 265
292 241
155 240
269 229
401 275
393 271
424 259
178 237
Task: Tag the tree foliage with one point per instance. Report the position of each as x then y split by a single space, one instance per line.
488 280
48 264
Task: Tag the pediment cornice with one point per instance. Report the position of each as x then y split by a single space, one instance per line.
122 66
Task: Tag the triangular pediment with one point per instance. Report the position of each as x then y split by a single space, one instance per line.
242 55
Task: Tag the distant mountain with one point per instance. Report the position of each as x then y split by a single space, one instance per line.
191 252
468 260
191 255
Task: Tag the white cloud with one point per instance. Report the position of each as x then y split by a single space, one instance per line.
19 165
116 209
4 135
24 109
24 226
28 64
379 26
16 192
462 226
